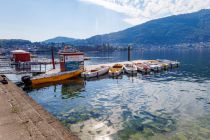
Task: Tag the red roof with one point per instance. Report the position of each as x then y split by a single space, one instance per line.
19 52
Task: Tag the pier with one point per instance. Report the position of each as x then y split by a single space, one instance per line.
89 67
35 66
21 118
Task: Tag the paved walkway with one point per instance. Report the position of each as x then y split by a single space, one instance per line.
21 118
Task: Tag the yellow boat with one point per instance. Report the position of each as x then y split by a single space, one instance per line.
163 65
116 70
51 76
68 82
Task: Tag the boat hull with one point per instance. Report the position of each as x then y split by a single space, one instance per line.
155 67
144 70
100 72
56 77
116 73
116 70
131 71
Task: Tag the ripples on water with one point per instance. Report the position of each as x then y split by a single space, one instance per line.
168 105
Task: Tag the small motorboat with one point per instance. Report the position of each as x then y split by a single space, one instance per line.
95 72
50 76
116 70
142 67
130 69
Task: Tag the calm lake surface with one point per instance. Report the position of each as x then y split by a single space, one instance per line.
172 104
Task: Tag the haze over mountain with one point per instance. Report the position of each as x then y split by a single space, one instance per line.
185 28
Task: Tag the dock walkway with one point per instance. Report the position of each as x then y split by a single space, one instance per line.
88 67
21 118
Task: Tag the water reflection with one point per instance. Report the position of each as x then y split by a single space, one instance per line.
172 104
72 88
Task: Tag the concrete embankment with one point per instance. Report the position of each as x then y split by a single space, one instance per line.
21 118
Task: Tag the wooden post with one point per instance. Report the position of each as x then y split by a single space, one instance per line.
129 53
53 61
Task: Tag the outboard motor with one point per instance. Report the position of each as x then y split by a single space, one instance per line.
26 80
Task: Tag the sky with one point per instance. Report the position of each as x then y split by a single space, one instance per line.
38 20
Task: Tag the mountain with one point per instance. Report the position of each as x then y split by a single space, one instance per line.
60 40
177 29
14 42
185 28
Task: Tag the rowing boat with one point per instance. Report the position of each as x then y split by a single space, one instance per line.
171 64
116 70
142 67
95 72
154 65
130 69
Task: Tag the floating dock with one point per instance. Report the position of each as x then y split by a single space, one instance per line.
89 67
21 118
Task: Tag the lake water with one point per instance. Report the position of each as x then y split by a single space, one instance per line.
172 104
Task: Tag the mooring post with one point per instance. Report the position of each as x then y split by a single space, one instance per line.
53 61
129 53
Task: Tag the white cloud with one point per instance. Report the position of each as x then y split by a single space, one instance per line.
139 11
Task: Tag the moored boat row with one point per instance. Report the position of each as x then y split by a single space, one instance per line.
114 70
130 68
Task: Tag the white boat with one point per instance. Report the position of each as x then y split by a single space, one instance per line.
95 72
172 64
116 70
130 68
154 65
142 67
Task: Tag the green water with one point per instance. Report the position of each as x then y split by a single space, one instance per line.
172 104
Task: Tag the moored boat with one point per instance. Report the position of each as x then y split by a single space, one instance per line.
171 64
51 76
142 67
71 65
95 72
164 65
116 70
130 69
154 65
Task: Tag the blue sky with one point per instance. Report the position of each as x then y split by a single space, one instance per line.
38 20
